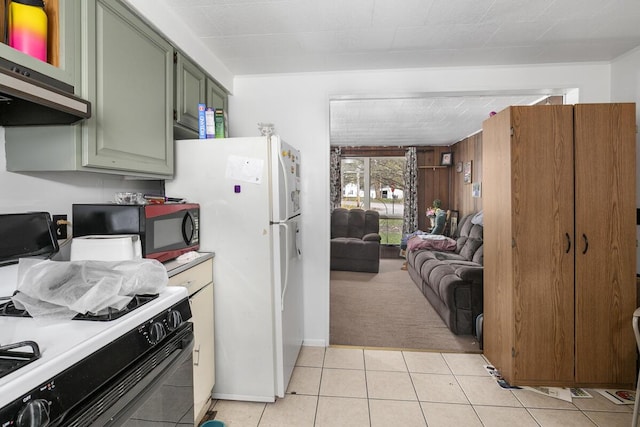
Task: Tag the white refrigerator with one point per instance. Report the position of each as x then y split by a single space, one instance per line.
249 195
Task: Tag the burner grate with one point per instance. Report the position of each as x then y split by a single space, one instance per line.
11 359
113 314
9 309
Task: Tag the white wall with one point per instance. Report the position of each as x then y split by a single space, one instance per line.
55 192
298 105
625 87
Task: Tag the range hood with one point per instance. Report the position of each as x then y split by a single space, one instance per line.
30 98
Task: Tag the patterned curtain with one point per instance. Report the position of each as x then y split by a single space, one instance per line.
410 220
335 187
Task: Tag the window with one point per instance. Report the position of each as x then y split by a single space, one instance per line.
376 183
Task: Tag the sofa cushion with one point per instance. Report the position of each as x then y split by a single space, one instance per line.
465 226
476 232
349 247
460 241
448 256
470 247
478 257
469 271
371 237
354 223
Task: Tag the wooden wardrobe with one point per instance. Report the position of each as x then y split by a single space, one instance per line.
560 244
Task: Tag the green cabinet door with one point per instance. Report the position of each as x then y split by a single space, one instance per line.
217 99
190 91
129 80
216 96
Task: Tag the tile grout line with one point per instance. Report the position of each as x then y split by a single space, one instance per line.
424 417
315 415
366 386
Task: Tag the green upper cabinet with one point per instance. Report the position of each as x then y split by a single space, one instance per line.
128 75
190 91
192 87
216 96
126 70
63 63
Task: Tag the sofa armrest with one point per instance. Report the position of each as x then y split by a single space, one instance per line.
470 273
371 237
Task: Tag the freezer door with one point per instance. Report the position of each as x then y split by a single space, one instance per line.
288 297
286 180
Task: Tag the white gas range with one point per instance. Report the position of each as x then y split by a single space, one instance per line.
82 362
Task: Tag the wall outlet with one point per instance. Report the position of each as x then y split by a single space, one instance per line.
60 225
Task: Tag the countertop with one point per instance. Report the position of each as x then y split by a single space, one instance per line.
175 267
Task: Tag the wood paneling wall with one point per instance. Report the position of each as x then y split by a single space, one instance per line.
470 149
467 150
433 182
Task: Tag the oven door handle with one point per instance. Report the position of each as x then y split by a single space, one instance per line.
129 403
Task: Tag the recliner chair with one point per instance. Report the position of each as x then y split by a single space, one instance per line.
355 240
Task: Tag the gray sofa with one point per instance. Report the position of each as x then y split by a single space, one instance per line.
355 242
452 281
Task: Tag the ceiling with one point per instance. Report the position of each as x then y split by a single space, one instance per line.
290 36
422 119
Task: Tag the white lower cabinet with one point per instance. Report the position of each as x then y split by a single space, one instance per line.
203 366
199 282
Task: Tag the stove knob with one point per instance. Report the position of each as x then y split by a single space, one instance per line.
156 332
34 414
174 319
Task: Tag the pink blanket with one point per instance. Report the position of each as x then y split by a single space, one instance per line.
431 241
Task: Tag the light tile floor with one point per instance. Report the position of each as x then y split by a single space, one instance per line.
353 387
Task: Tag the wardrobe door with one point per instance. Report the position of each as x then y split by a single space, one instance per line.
498 310
606 244
542 209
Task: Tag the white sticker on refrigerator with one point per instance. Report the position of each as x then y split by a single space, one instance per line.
245 169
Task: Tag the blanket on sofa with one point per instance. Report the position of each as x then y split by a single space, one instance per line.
431 241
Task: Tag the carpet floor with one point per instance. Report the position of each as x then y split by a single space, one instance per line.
387 310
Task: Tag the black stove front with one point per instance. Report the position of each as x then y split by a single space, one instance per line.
10 309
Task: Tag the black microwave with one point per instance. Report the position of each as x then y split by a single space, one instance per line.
166 230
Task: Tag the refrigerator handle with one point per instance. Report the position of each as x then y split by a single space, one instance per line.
285 183
286 267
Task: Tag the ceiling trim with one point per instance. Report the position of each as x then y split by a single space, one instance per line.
452 94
